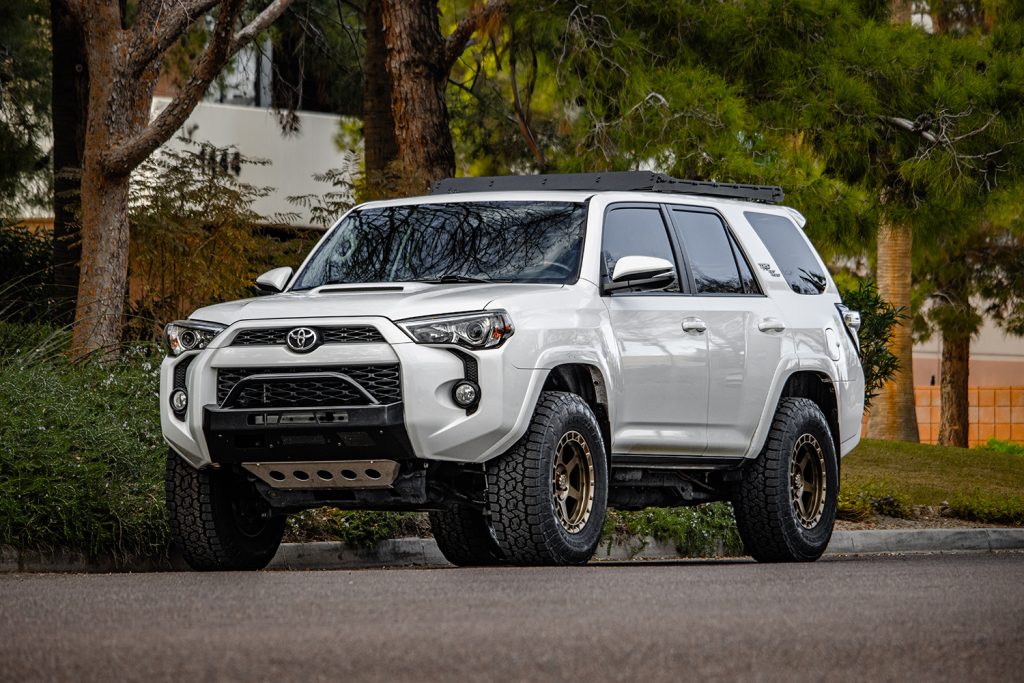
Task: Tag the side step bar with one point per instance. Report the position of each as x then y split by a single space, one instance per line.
344 474
677 462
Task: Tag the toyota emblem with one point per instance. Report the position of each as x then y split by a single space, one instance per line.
302 339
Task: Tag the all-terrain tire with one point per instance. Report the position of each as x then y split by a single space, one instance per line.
464 536
217 518
766 515
520 487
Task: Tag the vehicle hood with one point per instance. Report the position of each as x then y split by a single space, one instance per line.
393 301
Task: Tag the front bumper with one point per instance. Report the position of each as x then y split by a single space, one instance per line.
275 434
426 424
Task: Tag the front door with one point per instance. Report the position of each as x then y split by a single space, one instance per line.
662 402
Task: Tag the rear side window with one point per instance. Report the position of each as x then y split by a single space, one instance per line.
635 231
790 251
717 266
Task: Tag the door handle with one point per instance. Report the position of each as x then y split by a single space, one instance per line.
771 325
694 326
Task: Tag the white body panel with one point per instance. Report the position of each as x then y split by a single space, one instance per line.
669 391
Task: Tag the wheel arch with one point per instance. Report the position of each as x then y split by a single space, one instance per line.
819 388
588 382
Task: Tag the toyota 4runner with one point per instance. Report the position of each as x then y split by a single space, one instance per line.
514 355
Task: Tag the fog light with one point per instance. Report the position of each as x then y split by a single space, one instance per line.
466 394
179 400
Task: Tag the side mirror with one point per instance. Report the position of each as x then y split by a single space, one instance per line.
274 280
642 271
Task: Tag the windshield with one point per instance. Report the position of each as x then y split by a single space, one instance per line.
453 242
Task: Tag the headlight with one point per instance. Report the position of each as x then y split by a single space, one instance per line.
483 330
189 335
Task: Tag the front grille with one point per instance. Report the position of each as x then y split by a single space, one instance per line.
275 336
380 381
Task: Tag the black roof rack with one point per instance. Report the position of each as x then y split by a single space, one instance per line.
617 181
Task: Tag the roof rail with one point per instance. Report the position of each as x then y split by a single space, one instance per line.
617 181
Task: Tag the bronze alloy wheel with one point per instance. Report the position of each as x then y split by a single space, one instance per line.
807 481
572 479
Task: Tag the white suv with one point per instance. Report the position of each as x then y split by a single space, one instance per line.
514 355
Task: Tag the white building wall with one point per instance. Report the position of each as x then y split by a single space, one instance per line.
256 132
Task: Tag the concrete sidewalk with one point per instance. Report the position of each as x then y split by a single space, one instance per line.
405 552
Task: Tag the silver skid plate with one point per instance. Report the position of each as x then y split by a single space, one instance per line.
348 474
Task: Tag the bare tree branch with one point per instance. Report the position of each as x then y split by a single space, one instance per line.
127 155
157 26
478 17
222 46
262 21
523 116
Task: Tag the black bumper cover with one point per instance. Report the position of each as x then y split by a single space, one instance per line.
277 435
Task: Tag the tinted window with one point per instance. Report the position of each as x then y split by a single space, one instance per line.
749 281
507 241
635 231
709 252
790 251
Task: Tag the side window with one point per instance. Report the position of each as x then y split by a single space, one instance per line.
635 231
709 251
790 251
750 285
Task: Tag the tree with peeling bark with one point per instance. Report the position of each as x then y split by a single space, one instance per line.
123 61
419 61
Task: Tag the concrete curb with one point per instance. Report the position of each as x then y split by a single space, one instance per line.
406 552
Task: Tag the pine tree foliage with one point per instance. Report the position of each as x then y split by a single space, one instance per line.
24 104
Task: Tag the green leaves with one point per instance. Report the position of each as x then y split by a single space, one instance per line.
878 320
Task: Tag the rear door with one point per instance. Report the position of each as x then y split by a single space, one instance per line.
744 327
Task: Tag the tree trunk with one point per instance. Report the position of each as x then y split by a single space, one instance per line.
893 415
417 66
115 112
380 148
953 426
69 102
901 11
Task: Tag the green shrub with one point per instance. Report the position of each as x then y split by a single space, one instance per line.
700 531
81 456
979 507
25 264
854 508
1001 446
362 528
878 320
859 503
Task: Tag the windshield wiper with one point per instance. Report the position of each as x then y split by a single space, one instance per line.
452 277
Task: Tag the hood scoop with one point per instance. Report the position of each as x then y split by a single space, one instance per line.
355 289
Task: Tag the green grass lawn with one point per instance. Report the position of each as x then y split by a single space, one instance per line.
978 483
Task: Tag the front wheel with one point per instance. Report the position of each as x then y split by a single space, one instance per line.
786 503
218 519
547 495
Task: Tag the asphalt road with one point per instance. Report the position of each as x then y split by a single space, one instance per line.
922 617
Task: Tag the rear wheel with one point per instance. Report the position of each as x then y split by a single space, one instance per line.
547 495
786 503
218 519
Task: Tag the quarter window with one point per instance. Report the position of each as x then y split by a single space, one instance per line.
635 231
788 247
